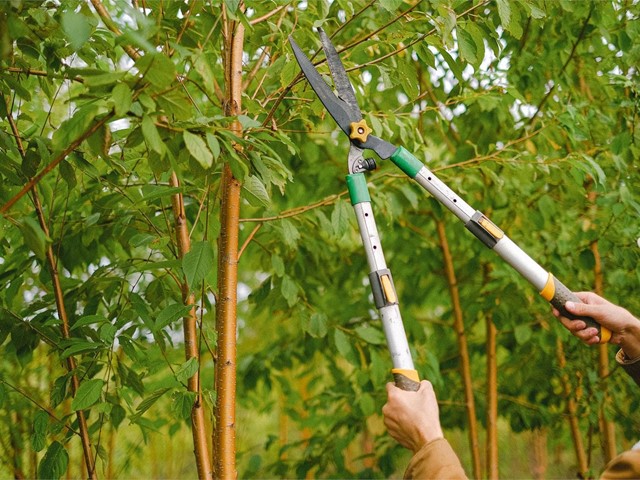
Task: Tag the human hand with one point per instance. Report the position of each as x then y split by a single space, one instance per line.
412 418
625 328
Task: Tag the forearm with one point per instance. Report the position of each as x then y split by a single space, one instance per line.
435 459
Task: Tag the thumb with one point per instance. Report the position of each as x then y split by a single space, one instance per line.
597 312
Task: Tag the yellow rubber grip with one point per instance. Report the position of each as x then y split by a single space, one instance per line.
410 374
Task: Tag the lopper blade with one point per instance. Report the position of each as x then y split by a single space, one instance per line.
338 109
339 75
344 110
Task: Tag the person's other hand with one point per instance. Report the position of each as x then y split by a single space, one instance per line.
625 328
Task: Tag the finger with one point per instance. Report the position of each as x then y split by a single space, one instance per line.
588 335
591 298
584 309
572 325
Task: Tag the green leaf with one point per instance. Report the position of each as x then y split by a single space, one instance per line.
232 5
289 71
340 217
88 393
59 391
453 65
470 40
88 320
258 194
68 174
117 415
176 104
343 345
504 11
317 325
278 265
158 69
214 145
522 333
103 79
148 402
587 259
248 122
391 5
289 290
198 263
71 129
183 404
198 149
290 233
30 163
151 135
40 427
153 192
77 28
34 237
370 335
54 463
79 346
510 16
367 404
467 46
121 96
187 370
170 314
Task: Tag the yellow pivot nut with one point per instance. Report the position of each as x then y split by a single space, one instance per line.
360 131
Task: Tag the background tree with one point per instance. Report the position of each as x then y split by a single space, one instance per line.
117 134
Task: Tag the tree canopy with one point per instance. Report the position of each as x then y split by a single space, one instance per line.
122 127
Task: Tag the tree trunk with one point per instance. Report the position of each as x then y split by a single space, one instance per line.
465 364
539 457
492 401
607 427
574 426
191 346
225 442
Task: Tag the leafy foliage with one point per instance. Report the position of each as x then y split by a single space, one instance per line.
527 108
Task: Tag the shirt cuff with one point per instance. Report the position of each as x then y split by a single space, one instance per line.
630 365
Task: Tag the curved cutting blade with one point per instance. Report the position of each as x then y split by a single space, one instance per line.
338 109
339 75
344 110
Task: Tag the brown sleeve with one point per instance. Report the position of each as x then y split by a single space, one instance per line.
626 465
435 460
631 366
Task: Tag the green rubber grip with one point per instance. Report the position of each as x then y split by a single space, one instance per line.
406 162
358 190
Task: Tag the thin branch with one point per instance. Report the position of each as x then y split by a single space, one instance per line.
111 25
566 63
249 238
40 73
268 15
297 210
351 19
62 312
54 163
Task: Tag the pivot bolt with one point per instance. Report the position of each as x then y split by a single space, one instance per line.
360 131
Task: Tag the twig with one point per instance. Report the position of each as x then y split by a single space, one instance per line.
54 163
266 16
566 64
